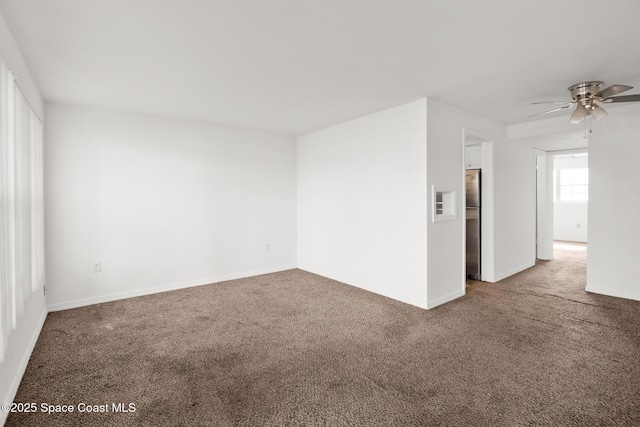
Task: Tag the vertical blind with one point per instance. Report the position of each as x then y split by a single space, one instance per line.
21 206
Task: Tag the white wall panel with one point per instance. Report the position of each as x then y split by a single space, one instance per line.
161 203
362 200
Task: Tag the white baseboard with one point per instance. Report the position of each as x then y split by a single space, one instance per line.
613 293
163 288
442 300
22 367
504 275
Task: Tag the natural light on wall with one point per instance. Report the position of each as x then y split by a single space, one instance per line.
21 209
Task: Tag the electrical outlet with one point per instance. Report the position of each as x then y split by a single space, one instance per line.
97 267
577 225
268 247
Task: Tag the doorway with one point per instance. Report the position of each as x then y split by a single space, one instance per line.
567 251
571 196
478 150
562 197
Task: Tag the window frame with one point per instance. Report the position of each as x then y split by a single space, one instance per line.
574 182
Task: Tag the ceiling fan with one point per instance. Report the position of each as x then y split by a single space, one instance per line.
586 96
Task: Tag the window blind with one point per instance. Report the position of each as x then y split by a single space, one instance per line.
21 205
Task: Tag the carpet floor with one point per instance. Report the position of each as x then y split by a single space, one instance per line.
294 348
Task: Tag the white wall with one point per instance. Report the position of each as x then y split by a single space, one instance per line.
515 208
511 173
161 203
551 134
362 200
29 324
614 203
570 219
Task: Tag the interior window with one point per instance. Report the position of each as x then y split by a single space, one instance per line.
571 185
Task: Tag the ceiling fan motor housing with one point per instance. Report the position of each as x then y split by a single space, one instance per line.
584 92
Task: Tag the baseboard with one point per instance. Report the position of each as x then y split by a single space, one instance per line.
442 300
13 387
613 293
504 275
163 288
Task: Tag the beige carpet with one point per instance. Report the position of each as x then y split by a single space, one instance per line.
570 251
293 348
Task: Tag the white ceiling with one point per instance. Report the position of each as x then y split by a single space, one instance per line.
560 141
294 66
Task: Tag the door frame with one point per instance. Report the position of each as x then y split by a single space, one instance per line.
487 210
543 191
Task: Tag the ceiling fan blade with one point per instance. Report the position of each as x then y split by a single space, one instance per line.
552 111
623 98
612 90
598 112
579 114
553 102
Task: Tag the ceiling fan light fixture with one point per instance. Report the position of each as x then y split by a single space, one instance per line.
598 112
579 114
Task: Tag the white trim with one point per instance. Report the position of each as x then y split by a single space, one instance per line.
501 276
163 288
488 265
562 153
543 179
613 293
445 299
488 216
22 367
